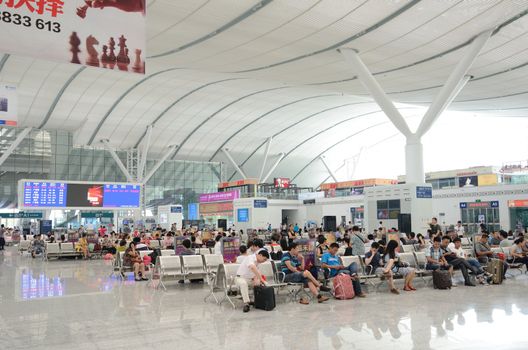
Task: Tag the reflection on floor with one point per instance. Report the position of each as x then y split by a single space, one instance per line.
74 304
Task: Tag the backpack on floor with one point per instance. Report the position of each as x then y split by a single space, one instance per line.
441 279
343 288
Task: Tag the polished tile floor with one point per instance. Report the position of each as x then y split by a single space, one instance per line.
73 304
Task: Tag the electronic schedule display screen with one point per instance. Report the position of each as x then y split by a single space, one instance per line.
44 194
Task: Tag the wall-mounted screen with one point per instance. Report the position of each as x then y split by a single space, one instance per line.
82 195
243 215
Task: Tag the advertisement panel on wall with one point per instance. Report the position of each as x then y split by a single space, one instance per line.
8 104
468 181
212 209
219 196
108 34
487 180
78 195
281 182
193 211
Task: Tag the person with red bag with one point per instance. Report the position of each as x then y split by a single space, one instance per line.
331 261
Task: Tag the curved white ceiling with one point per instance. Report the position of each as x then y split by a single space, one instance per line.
225 73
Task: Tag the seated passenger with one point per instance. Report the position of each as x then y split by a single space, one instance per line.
394 265
348 247
107 245
37 246
187 248
483 250
435 257
457 262
139 246
412 239
121 247
168 241
456 247
494 240
248 275
331 262
517 254
375 265
133 259
292 264
82 246
243 254
505 242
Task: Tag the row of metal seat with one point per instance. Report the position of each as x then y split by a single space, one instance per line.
58 250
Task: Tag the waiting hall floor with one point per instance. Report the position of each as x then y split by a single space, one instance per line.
73 304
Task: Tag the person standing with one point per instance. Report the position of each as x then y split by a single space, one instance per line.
434 227
358 243
2 237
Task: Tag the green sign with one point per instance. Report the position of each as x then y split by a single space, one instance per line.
21 215
97 214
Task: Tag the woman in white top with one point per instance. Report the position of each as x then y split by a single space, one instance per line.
218 245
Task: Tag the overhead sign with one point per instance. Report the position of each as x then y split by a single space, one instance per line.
238 183
99 33
8 104
78 195
219 196
97 214
260 203
424 192
491 204
177 209
21 215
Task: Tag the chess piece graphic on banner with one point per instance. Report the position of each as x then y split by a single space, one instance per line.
75 43
104 57
138 67
111 46
123 5
122 56
92 59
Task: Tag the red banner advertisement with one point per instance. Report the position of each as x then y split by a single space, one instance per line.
99 33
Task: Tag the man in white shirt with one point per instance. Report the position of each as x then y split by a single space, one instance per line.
456 247
459 229
248 274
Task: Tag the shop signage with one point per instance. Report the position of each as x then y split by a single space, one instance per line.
518 203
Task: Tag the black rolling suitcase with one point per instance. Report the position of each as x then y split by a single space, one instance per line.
264 298
441 279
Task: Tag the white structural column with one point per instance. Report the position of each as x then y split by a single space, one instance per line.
144 153
167 154
328 169
20 137
273 167
228 155
118 161
266 153
454 84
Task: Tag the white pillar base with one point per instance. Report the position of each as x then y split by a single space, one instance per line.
414 167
